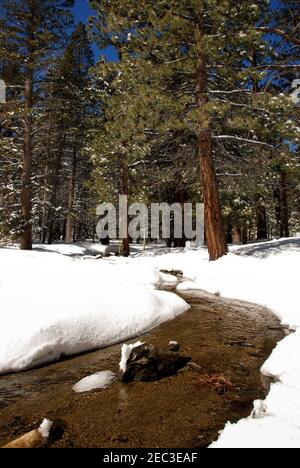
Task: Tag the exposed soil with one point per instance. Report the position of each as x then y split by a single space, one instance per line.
224 337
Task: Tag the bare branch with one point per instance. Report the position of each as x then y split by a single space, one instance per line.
279 32
244 140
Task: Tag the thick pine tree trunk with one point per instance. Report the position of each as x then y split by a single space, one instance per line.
70 218
215 236
26 194
214 228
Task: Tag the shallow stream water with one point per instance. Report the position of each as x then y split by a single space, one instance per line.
224 337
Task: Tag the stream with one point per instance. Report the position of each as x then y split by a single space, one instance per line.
226 338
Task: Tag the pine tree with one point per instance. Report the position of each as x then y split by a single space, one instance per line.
35 31
282 29
121 145
10 148
195 49
68 87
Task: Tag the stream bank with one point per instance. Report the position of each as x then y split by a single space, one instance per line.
226 338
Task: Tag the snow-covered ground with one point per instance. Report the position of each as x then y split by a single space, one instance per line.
266 274
55 302
53 305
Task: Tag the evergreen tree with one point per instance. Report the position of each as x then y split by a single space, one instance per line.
193 53
68 108
10 148
34 31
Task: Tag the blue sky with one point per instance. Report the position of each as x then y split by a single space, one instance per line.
275 3
82 12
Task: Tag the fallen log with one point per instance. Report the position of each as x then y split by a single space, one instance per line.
34 439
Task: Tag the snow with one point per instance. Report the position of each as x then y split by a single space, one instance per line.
82 248
45 428
54 305
93 304
268 432
271 282
266 274
126 353
97 381
284 362
259 409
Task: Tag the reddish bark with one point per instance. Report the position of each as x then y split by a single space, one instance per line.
214 228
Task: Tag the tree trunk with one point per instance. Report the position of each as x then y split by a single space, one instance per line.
70 218
261 222
277 201
215 236
125 191
236 234
284 203
180 198
45 211
214 229
26 194
45 202
281 197
54 187
245 234
228 231
261 213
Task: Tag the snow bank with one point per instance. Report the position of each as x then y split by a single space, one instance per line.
273 282
266 274
52 305
269 432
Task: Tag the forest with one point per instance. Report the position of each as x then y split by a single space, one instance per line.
149 226
199 105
